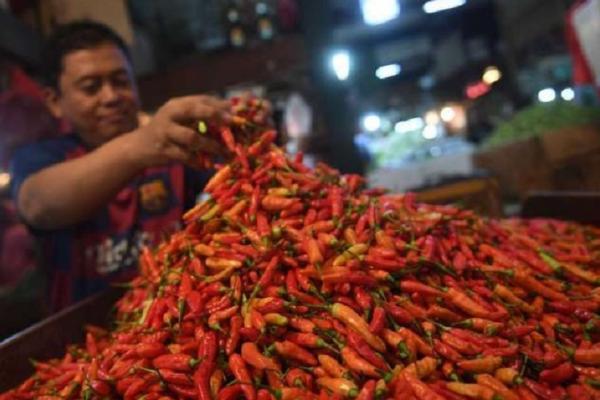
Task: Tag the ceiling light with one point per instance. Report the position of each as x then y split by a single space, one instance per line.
387 71
432 118
447 114
340 62
430 132
547 95
491 75
377 12
371 122
567 94
434 6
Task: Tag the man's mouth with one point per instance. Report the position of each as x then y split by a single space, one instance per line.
115 118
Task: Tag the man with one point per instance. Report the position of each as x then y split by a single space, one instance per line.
94 197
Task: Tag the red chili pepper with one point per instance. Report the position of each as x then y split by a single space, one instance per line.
100 387
263 394
262 225
310 217
175 362
587 356
306 339
578 392
350 318
277 203
377 323
91 345
358 364
231 392
299 378
243 159
233 339
542 390
240 372
385 264
485 364
412 286
227 199
362 348
558 374
588 371
150 350
292 351
530 283
508 351
382 252
177 378
367 392
294 209
219 177
252 355
361 224
337 203
357 278
263 142
268 305
363 298
462 301
399 314
372 215
227 138
518 331
207 353
421 390
461 345
446 351
311 246
302 324
267 276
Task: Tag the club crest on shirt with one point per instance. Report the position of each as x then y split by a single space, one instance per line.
154 196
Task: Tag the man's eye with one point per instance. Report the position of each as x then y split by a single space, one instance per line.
121 81
90 88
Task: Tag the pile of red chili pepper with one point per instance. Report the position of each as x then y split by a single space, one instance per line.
297 283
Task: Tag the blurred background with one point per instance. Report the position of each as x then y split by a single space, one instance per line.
476 102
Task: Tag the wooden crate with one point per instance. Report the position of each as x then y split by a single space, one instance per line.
579 207
478 194
561 160
49 338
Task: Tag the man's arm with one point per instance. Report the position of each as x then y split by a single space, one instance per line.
70 192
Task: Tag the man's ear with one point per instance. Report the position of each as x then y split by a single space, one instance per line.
52 101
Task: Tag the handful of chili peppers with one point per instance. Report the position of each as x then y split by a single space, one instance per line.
297 283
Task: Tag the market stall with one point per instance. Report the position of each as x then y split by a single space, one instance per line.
249 256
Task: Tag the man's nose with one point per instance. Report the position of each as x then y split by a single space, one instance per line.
109 93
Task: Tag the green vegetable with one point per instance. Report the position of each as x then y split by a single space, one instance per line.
540 119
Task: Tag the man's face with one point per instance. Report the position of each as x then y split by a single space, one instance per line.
97 94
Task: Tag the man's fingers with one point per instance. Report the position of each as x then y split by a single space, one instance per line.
193 141
177 153
183 136
194 108
210 146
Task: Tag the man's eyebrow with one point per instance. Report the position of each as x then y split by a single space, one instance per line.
94 76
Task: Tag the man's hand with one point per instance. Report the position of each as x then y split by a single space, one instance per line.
171 134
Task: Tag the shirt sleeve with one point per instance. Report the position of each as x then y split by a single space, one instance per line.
30 159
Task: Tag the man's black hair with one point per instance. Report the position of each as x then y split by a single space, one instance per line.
79 35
